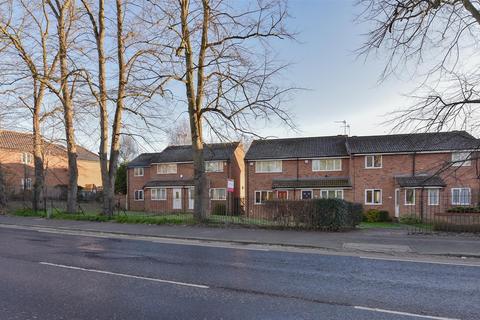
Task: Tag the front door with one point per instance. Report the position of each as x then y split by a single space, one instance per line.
177 198
397 203
191 198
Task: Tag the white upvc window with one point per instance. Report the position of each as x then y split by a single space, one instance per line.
166 168
263 195
409 196
433 197
158 193
331 194
373 196
460 159
373 161
214 166
27 184
138 195
461 196
138 172
264 166
327 165
27 158
218 193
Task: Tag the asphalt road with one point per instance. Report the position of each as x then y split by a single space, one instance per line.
54 276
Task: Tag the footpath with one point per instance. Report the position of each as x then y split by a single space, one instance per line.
388 241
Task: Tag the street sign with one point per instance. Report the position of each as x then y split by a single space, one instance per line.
230 185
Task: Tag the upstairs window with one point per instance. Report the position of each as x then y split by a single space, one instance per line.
327 165
460 159
27 158
373 161
167 168
268 166
138 172
214 166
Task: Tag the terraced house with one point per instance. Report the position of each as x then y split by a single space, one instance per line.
163 182
402 173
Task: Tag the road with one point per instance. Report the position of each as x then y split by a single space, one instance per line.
45 275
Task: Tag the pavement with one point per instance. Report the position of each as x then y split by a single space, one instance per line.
46 273
386 241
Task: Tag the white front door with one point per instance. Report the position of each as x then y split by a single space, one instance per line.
397 203
191 197
177 198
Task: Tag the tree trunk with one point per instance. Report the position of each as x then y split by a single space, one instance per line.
38 187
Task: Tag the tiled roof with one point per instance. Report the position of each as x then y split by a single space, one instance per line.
23 141
415 142
214 151
324 182
311 147
168 183
420 181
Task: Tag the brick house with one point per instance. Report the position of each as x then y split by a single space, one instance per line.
163 182
398 173
16 159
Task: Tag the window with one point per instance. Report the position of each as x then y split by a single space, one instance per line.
307 194
373 161
327 165
433 197
461 159
27 158
282 194
214 166
409 197
268 166
460 196
166 168
138 195
330 194
138 172
158 193
373 196
27 184
218 194
262 196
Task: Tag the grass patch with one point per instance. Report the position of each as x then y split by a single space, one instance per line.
160 219
380 225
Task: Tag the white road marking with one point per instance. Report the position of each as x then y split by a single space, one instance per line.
407 314
422 261
125 275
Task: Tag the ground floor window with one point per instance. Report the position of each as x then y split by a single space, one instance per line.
138 195
373 196
306 194
331 194
282 194
218 194
159 193
409 197
460 196
433 197
27 184
262 196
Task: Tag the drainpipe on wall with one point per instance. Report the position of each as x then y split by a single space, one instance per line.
127 206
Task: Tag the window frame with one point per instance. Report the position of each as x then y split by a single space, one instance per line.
429 202
136 193
212 193
460 203
373 197
27 158
260 192
279 170
159 165
283 191
220 166
326 161
373 161
27 184
135 172
336 193
157 193
308 190
466 162
414 197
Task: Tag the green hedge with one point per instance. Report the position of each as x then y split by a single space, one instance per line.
374 215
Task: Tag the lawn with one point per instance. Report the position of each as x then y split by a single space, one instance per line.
381 225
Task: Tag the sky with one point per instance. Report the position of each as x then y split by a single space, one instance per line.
340 85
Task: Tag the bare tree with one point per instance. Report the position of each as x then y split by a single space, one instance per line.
438 39
220 55
179 134
128 149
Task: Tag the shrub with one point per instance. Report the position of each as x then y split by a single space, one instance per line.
374 215
460 209
410 219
